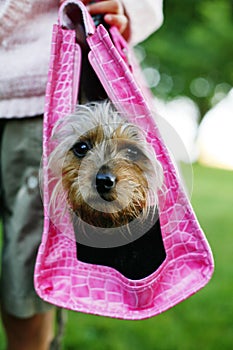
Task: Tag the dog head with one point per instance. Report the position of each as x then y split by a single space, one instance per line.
105 167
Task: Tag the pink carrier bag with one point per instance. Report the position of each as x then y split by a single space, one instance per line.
70 275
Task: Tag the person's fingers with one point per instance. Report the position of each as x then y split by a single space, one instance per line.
119 21
108 6
86 2
112 10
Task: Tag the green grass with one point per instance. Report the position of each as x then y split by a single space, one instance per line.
202 322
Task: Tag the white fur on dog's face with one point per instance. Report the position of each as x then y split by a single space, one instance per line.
105 166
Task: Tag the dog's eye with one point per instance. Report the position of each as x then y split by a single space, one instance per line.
132 153
81 148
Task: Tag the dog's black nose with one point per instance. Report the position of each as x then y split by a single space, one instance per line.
105 182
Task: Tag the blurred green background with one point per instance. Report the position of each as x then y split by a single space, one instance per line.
193 51
191 55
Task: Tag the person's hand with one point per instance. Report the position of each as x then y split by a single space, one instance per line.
113 12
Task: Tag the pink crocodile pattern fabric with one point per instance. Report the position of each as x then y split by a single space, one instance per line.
60 278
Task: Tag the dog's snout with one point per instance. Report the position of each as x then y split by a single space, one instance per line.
105 182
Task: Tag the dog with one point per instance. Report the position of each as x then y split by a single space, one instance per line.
106 170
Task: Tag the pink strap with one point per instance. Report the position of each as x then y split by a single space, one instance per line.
65 21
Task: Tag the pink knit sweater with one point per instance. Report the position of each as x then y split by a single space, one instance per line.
25 35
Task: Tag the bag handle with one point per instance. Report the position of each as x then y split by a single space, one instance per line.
76 7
